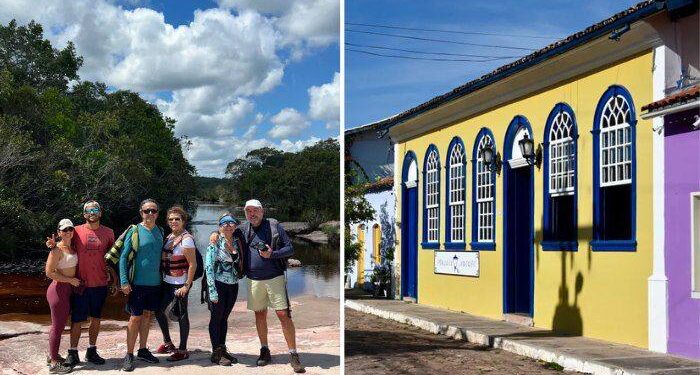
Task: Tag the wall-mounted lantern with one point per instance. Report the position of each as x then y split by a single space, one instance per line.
491 159
527 147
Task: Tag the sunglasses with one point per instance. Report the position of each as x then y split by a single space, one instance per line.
66 230
150 211
93 211
227 224
174 219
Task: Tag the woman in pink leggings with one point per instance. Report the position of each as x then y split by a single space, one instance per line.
60 267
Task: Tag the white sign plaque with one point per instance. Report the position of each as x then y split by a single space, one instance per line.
463 263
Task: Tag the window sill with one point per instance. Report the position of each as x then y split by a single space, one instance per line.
483 245
613 245
559 245
430 245
455 246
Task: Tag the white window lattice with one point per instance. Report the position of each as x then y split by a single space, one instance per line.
615 143
431 195
457 192
562 156
484 195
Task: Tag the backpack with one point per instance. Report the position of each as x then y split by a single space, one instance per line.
246 229
113 256
199 271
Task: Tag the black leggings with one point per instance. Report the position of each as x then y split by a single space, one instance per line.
168 294
220 311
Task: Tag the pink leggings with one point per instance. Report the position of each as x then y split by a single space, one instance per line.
58 296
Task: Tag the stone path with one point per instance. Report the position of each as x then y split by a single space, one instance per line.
23 350
573 353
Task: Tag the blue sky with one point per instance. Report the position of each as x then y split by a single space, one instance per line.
236 74
378 87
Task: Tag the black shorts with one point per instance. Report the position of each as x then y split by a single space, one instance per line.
89 303
143 297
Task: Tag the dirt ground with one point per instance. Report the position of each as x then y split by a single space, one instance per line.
377 346
23 344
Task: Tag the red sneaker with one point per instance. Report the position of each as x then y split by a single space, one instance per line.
165 348
179 355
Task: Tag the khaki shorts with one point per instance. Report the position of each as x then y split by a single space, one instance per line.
267 293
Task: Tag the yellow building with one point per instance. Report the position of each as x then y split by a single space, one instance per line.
526 194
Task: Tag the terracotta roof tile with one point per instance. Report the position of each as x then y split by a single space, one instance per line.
684 95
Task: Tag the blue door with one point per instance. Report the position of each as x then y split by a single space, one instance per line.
518 259
409 243
519 227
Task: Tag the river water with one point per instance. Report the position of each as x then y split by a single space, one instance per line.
23 298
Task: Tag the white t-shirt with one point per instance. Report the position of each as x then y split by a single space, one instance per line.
178 254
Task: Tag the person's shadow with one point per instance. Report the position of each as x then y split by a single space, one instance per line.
567 318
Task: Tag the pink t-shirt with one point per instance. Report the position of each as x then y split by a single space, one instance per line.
91 246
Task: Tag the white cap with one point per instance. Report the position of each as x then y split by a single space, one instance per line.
253 203
65 223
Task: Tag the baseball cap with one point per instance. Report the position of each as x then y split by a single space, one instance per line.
253 203
65 223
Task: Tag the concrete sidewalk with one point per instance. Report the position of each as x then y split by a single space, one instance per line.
573 353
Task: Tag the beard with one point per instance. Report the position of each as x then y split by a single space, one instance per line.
92 220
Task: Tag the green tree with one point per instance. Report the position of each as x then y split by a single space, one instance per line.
61 146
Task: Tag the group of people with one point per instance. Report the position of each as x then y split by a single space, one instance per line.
156 272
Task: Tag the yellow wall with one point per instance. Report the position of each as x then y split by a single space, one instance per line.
361 257
376 240
612 303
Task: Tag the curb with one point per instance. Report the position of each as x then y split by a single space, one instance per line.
567 361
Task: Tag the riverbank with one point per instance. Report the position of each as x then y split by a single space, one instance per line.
24 345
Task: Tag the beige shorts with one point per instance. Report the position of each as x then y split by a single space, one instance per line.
267 293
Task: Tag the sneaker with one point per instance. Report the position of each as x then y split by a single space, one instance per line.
48 360
218 358
265 356
179 355
128 362
94 358
59 368
296 363
227 355
166 348
72 359
145 355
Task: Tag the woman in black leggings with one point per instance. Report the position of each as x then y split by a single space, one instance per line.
222 267
179 263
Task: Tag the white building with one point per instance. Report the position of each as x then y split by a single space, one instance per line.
370 155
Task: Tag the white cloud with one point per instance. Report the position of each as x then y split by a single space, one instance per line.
288 123
275 7
315 22
324 102
212 68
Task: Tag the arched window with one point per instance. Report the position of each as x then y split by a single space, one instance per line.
376 241
431 199
614 169
560 180
456 195
483 196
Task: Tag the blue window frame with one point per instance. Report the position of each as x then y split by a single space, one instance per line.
614 172
483 195
455 196
431 199
560 180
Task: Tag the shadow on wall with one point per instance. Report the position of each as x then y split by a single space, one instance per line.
567 315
